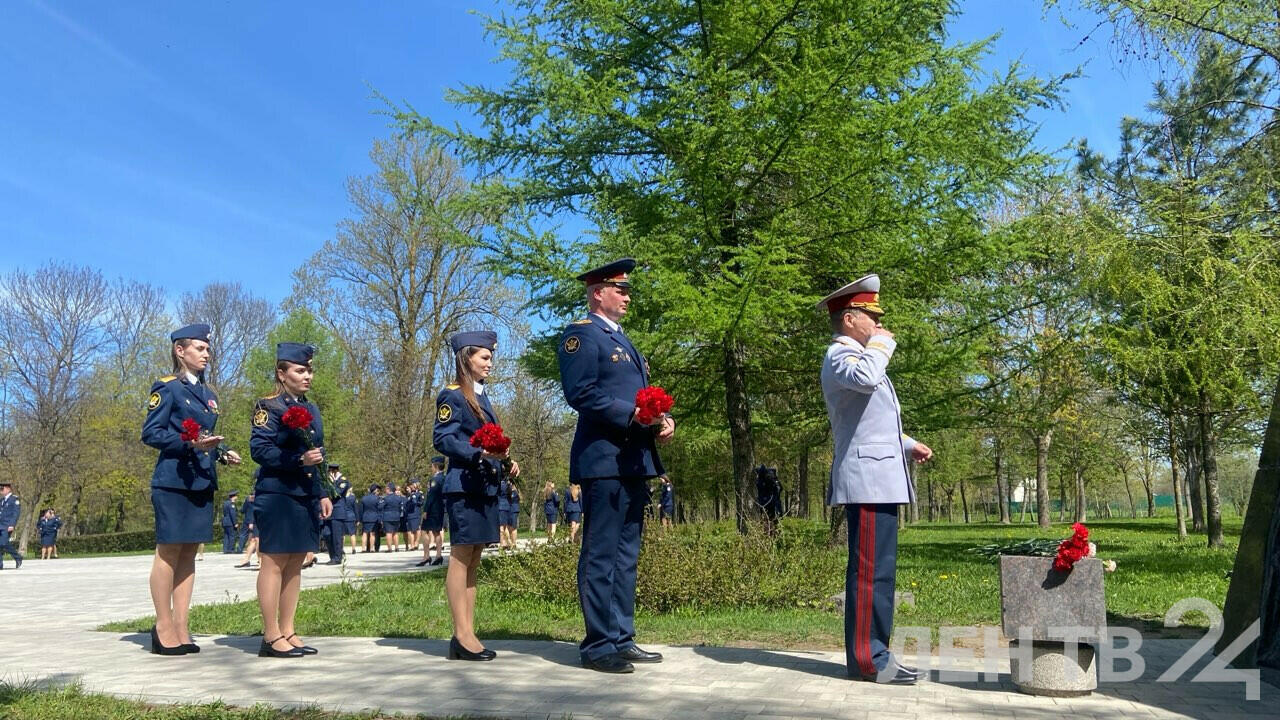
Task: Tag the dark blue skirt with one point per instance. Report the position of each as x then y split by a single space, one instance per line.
287 523
552 517
392 526
182 516
413 523
348 527
48 540
573 517
433 521
473 519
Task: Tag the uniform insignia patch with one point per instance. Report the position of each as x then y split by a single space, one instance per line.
260 418
154 401
444 412
572 344
614 357
213 405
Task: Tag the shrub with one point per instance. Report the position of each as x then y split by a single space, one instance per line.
691 567
107 542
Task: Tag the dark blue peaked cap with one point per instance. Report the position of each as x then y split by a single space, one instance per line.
486 339
198 331
439 460
615 273
296 353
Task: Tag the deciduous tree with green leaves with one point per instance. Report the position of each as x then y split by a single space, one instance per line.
753 156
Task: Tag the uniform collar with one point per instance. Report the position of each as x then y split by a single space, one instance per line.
846 340
613 326
190 378
479 387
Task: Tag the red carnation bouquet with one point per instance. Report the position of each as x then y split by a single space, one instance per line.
1073 549
298 419
190 430
653 402
491 439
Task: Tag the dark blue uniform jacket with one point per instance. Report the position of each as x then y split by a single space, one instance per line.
279 449
455 424
180 466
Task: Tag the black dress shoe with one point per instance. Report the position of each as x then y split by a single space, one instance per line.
304 567
243 565
457 652
896 675
609 664
908 669
306 649
424 563
158 649
636 655
334 562
191 647
438 561
17 562
267 651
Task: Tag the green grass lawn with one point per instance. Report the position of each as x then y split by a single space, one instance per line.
28 702
951 586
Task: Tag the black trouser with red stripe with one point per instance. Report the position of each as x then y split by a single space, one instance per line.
868 586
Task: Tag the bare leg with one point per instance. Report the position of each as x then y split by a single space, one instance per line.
184 583
460 588
164 568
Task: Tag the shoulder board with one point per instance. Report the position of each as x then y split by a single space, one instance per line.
451 387
272 396
583 321
167 378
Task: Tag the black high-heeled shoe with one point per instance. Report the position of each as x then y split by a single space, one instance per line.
158 649
267 651
306 649
191 647
457 652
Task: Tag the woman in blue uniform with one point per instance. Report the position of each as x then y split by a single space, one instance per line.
182 484
290 498
513 524
433 515
413 515
504 513
573 509
471 485
48 526
551 508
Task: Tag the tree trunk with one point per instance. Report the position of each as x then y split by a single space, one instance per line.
1173 473
1002 494
1148 484
1209 470
1062 496
1192 478
738 409
1253 576
1133 509
928 486
1081 498
964 503
802 482
1042 478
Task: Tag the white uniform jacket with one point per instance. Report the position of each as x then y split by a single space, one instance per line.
871 451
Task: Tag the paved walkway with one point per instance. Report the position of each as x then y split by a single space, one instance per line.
52 607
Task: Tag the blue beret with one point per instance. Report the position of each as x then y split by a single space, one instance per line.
198 331
296 353
615 273
486 339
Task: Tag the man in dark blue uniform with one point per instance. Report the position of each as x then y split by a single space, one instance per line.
613 458
10 509
229 523
335 527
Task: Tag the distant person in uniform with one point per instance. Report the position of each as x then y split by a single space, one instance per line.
250 527
413 515
181 415
471 484
869 476
433 515
292 501
351 513
337 522
613 456
48 526
551 508
504 513
573 509
769 496
10 510
392 516
513 527
229 523
370 514
666 501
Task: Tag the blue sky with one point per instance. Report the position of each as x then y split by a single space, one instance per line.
181 143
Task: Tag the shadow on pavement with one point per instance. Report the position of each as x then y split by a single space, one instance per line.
790 661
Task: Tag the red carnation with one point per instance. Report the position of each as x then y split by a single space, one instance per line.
1073 549
296 418
653 402
190 430
491 439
